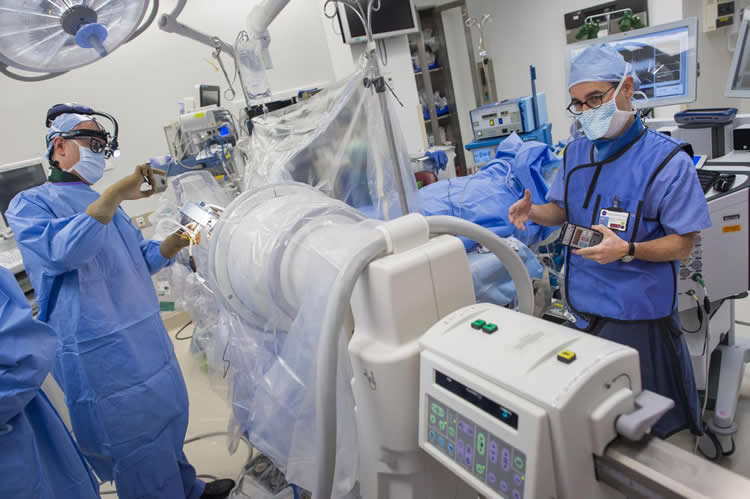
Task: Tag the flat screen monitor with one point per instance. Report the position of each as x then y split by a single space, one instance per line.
664 57
738 83
17 177
395 17
209 95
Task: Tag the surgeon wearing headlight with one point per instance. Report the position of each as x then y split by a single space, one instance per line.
638 188
91 269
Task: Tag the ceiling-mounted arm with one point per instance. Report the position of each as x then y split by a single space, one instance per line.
258 21
170 24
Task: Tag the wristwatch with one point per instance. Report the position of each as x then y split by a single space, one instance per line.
631 253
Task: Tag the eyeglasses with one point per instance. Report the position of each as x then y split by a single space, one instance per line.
95 140
594 101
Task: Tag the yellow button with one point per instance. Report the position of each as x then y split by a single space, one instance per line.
566 356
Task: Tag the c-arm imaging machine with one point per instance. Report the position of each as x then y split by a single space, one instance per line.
453 397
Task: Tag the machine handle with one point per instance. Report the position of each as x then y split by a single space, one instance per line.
650 407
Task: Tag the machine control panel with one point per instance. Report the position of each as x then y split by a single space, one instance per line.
496 120
487 457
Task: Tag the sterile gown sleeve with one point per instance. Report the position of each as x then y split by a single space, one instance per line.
27 350
62 244
683 207
152 254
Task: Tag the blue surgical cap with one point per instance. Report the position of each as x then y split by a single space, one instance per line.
599 63
64 123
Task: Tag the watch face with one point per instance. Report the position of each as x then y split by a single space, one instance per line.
627 259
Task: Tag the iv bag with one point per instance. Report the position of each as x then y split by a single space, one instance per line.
248 57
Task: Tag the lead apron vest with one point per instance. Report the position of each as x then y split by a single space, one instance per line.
636 291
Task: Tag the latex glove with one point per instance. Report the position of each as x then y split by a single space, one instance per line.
612 247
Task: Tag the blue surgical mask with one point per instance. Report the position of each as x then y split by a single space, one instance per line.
91 164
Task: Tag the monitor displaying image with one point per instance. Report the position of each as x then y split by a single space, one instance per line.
663 57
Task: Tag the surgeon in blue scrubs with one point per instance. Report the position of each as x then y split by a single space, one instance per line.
91 269
638 188
39 458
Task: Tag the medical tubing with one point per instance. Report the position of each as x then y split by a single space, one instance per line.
440 225
327 363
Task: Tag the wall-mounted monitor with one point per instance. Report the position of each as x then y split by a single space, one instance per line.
395 17
17 177
209 95
664 57
738 83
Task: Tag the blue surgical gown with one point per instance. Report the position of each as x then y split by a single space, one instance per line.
39 458
115 362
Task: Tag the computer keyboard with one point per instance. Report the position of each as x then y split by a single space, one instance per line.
707 179
11 259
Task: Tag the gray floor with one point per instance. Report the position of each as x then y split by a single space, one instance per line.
739 462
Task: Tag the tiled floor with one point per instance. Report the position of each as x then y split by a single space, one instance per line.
209 413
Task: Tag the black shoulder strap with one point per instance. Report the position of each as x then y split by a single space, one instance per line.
682 147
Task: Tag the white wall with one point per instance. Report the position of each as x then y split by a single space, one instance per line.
141 82
532 32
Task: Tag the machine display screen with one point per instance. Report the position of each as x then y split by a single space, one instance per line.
394 17
482 156
663 58
491 407
17 180
210 96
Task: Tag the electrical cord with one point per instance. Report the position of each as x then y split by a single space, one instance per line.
692 294
177 334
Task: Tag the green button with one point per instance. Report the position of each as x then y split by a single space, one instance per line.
452 432
518 462
443 425
433 419
480 469
436 409
478 324
489 328
481 443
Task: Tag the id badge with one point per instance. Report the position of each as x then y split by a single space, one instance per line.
614 219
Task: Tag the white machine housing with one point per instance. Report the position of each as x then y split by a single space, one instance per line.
722 251
532 421
432 277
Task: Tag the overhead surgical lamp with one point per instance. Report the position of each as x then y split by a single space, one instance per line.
52 37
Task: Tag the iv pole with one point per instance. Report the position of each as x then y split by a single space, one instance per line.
380 86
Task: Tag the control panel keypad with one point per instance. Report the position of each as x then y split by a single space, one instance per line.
488 458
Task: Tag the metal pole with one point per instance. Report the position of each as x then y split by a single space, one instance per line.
472 60
380 89
427 80
532 69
